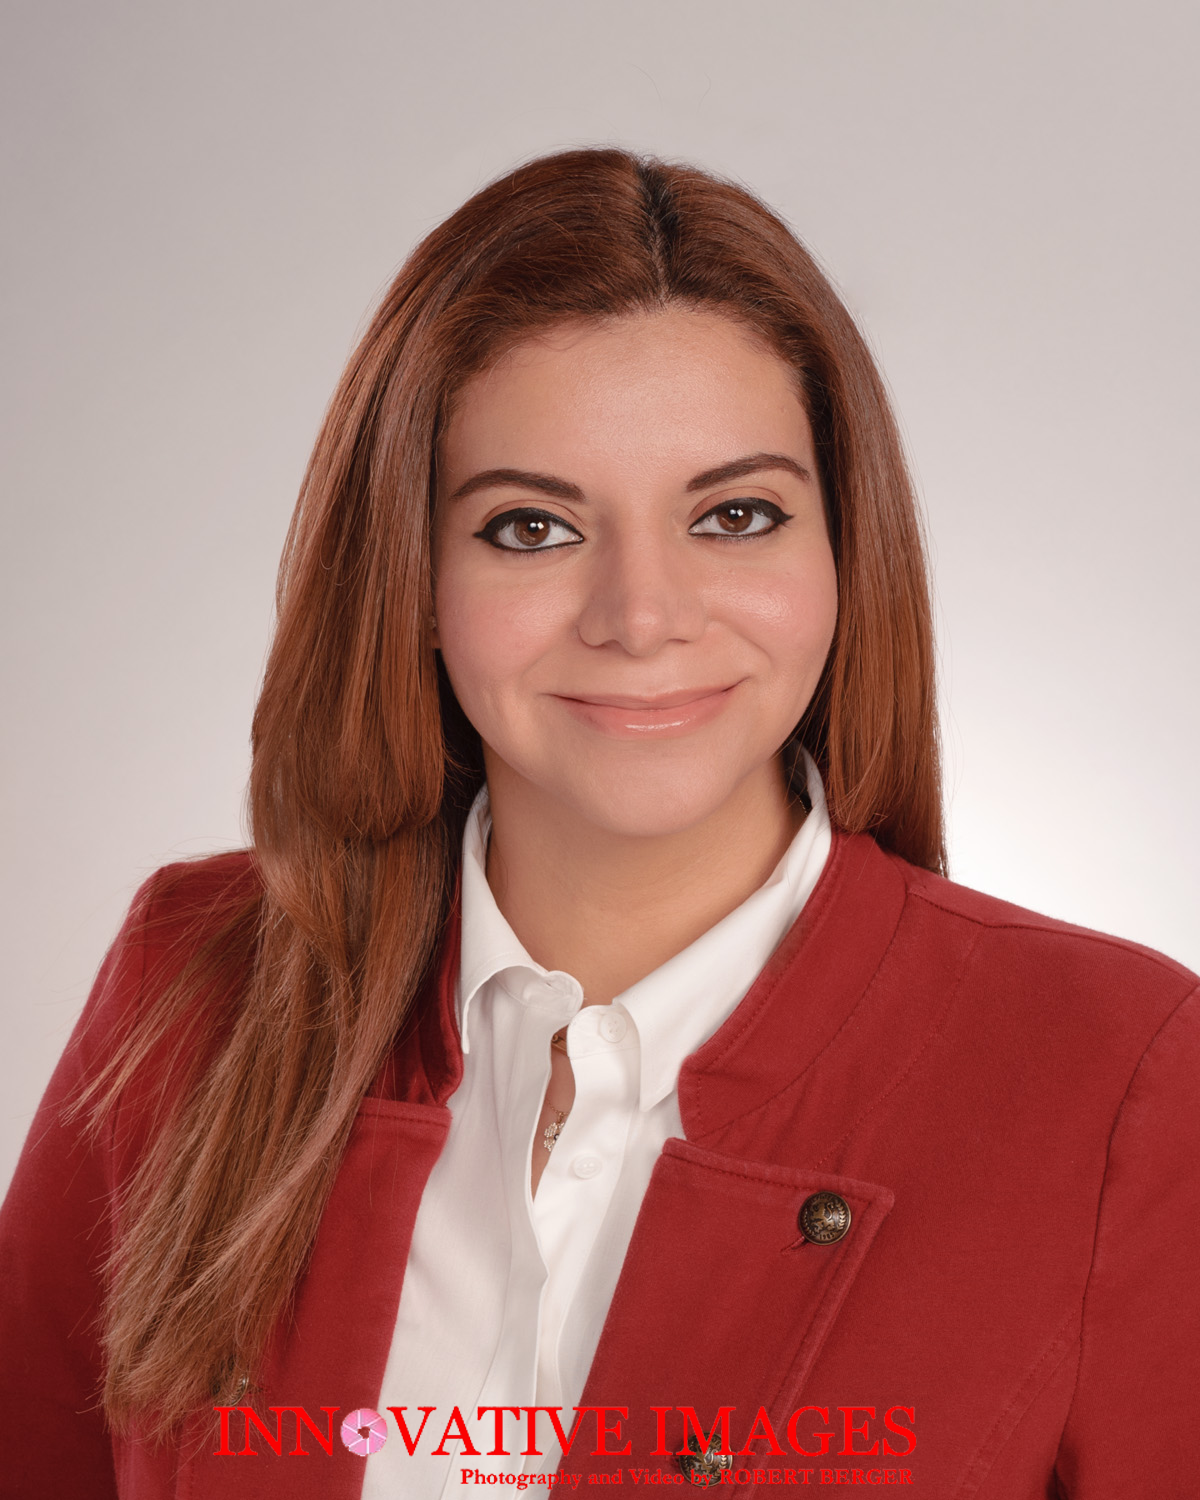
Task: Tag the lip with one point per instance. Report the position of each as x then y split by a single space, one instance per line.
658 700
663 716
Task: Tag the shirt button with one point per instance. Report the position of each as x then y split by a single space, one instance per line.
612 1026
587 1166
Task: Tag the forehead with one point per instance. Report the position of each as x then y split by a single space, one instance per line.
686 385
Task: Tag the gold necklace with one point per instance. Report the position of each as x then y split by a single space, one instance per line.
552 1131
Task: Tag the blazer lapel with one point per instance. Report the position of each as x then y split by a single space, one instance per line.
722 1301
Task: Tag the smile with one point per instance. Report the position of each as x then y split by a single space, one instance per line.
663 716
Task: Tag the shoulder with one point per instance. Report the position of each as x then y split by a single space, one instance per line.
190 901
195 909
1002 924
1033 965
192 889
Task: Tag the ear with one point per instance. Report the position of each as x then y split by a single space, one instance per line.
437 644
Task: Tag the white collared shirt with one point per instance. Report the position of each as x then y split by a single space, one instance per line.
505 1292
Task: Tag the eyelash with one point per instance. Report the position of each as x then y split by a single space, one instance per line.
497 524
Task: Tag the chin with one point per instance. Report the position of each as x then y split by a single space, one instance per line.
648 807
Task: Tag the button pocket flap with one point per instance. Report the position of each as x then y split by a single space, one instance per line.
734 1276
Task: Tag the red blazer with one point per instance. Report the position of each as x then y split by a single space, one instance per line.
1008 1105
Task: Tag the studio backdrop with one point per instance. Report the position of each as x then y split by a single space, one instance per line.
203 203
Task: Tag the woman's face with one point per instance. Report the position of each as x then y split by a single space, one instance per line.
634 586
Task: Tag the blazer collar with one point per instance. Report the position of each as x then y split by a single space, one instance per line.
807 1002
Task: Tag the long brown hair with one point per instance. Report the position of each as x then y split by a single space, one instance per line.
364 766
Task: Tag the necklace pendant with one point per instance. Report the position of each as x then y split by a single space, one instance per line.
553 1130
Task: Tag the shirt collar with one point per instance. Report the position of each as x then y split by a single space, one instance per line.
678 1006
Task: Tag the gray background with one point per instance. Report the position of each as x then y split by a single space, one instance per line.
203 201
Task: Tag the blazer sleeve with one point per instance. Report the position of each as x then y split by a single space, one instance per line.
55 1234
1130 1430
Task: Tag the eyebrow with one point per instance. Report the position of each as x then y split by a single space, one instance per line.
562 489
753 463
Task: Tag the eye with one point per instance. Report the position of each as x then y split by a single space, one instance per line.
737 518
526 530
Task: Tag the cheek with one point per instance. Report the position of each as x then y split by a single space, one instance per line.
791 616
490 638
476 646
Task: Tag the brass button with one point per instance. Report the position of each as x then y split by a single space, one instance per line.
825 1218
704 1467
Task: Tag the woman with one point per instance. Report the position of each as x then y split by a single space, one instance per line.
591 1025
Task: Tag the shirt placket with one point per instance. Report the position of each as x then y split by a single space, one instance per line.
522 1071
577 1186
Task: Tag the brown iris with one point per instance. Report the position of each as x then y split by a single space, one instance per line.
530 529
735 518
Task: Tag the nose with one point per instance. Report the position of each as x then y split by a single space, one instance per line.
641 592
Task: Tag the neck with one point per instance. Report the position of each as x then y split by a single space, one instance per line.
609 907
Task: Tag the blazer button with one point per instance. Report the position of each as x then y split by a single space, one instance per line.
824 1218
704 1466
